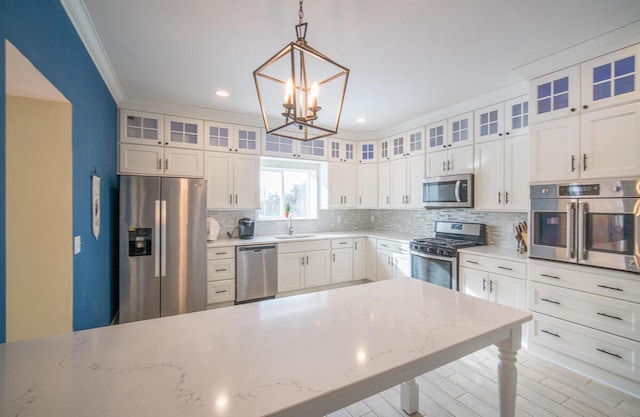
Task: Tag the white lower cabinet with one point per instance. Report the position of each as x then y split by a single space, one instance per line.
341 260
303 265
495 279
372 258
221 274
588 319
359 258
393 259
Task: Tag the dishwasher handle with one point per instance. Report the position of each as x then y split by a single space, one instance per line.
256 248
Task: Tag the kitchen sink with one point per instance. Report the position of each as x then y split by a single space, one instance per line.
293 236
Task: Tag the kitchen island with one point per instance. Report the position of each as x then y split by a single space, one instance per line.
304 355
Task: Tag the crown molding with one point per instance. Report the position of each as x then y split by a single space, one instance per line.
591 48
79 16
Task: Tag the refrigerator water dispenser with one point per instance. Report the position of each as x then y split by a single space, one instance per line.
140 241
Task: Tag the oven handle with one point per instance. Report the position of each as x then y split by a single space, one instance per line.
583 253
428 256
571 243
457 191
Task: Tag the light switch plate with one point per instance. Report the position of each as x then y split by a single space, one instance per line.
77 243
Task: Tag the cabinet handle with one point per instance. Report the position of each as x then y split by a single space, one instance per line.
302 258
551 333
236 198
550 301
472 262
609 316
499 197
221 253
345 199
506 197
342 243
408 200
585 106
584 161
484 284
573 163
549 276
444 166
448 165
491 286
307 260
356 245
610 288
166 164
334 257
221 291
224 269
572 110
383 245
609 353
230 199
360 200
505 267
159 164
387 199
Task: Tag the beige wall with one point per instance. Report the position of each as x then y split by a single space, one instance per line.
39 218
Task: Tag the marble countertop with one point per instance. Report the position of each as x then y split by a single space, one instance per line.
300 355
257 240
509 254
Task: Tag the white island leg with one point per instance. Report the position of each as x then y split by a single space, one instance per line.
507 372
409 396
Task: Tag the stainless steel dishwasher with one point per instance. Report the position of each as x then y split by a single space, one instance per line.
256 272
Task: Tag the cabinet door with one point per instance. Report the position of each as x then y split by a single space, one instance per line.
437 136
367 151
398 183
489 123
219 176
489 175
367 186
460 130
460 160
317 268
359 258
290 271
313 149
341 265
372 258
384 266
507 291
279 146
516 116
555 95
218 137
415 142
401 265
415 176
473 282
350 184
246 181
554 150
141 128
612 79
247 139
516 173
336 185
397 146
140 159
384 185
384 149
610 142
181 132
438 163
183 162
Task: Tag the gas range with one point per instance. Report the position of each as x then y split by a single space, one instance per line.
450 236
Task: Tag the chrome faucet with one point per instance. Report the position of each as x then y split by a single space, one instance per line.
290 225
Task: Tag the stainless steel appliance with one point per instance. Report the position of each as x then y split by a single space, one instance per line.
163 243
594 223
246 226
435 259
448 191
256 272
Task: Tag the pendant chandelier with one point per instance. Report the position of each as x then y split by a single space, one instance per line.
301 90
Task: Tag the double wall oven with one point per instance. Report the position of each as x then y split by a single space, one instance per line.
593 223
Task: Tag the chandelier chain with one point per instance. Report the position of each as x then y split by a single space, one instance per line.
300 13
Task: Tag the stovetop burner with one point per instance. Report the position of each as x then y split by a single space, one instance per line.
451 236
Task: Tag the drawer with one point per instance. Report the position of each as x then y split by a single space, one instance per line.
393 245
617 317
499 266
611 353
341 243
222 252
221 269
615 284
219 291
303 246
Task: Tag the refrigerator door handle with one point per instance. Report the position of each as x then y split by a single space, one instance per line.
156 239
163 238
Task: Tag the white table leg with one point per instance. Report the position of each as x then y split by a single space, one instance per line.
409 396
507 372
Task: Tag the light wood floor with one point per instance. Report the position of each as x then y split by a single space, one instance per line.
468 387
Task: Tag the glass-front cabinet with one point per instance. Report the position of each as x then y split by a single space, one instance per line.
289 148
367 151
141 128
341 150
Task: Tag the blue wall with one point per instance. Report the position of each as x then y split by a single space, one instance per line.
41 30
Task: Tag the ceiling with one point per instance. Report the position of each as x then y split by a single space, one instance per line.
407 58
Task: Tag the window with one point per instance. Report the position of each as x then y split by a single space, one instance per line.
294 182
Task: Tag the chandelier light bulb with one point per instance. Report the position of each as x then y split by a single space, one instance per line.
288 92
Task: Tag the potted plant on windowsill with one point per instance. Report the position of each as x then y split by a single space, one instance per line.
287 210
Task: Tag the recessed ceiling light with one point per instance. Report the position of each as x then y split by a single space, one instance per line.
361 120
222 93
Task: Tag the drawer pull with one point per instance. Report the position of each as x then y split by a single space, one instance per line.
505 267
550 301
221 270
472 262
611 317
610 288
551 333
343 243
221 291
383 245
221 253
549 276
609 353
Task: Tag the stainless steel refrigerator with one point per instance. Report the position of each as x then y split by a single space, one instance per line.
163 255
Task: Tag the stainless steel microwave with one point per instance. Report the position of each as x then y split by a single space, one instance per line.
448 191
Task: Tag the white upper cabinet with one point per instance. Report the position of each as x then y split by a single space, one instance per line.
489 122
517 116
460 130
384 149
367 186
415 142
397 146
555 95
289 148
437 138
182 132
221 137
367 151
341 150
141 128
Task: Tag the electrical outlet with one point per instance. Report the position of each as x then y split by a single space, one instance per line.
77 244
